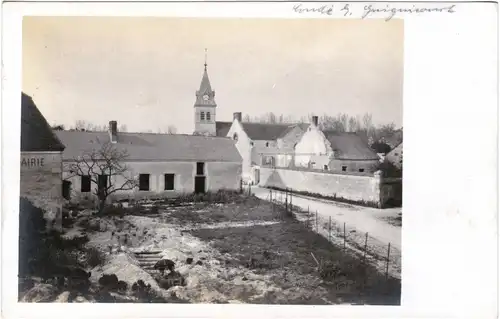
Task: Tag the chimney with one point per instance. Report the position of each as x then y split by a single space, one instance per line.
315 120
113 131
237 116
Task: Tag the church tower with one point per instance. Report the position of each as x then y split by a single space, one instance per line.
204 106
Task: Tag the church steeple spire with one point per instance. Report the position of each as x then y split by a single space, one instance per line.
205 95
205 106
205 59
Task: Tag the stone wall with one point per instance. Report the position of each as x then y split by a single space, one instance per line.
41 182
369 166
219 175
370 189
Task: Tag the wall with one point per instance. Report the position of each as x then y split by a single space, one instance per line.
219 175
370 166
356 188
205 126
396 155
289 141
244 148
312 142
392 192
41 181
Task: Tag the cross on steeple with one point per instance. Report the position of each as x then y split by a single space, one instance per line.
205 59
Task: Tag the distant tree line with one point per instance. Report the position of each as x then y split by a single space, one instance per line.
380 137
81 125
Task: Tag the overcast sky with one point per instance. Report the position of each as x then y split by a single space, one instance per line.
143 72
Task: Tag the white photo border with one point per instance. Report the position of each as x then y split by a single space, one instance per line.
450 116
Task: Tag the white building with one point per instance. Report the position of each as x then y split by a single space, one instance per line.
165 165
336 152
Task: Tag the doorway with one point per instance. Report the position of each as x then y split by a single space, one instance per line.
199 184
257 176
66 190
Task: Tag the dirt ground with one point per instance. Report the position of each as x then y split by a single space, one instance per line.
245 251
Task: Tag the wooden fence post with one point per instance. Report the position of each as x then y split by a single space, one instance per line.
366 246
387 266
317 230
308 217
286 200
330 229
344 237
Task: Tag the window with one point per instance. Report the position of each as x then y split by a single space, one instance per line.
361 170
325 167
251 143
344 168
143 182
200 168
202 116
208 116
85 184
169 182
267 144
235 136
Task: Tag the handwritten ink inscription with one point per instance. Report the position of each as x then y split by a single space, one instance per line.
387 12
324 9
390 12
32 162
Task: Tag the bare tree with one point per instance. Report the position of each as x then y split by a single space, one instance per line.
82 125
104 166
352 124
171 129
58 127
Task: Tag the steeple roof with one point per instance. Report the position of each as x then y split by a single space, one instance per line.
205 86
205 89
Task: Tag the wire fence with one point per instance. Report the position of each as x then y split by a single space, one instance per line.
384 256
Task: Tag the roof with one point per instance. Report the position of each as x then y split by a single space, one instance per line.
154 147
222 128
350 146
303 127
205 86
265 131
36 133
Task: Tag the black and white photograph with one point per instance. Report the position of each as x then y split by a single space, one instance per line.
285 187
225 159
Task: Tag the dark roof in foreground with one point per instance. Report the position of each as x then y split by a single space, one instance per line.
36 133
222 128
350 146
154 147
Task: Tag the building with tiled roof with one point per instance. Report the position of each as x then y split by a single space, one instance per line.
164 165
263 144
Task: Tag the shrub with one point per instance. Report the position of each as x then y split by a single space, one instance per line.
154 209
32 226
144 293
109 281
94 257
112 210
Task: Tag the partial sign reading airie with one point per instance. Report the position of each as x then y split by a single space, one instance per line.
32 162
